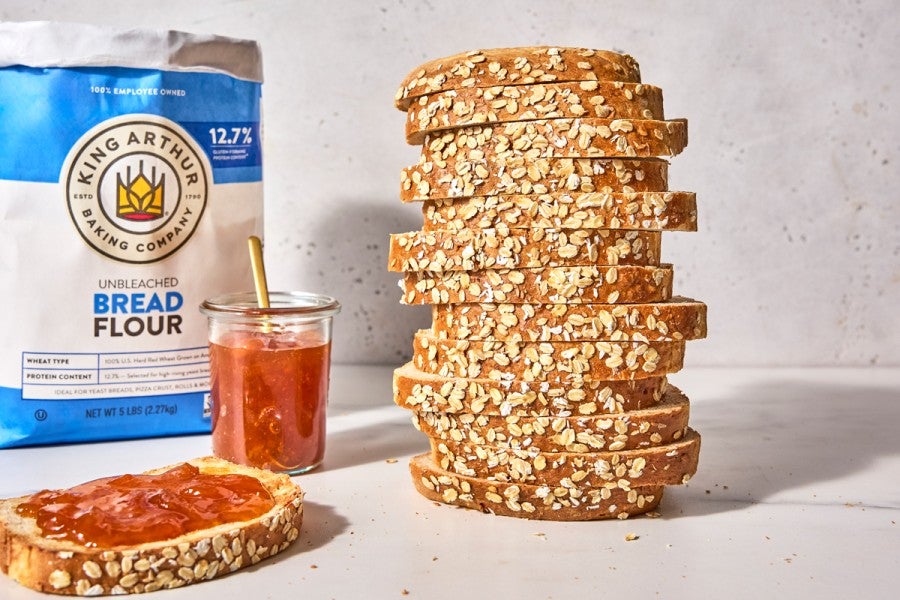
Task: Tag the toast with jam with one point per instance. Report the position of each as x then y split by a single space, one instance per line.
165 528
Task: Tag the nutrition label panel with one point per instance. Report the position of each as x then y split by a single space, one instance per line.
68 376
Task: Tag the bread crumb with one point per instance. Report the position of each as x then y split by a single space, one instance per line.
391 461
630 537
404 592
313 566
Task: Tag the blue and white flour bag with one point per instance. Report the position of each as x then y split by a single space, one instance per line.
130 178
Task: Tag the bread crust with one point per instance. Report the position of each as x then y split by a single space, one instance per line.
64 567
669 464
530 501
522 65
429 181
502 104
474 250
676 319
545 285
662 424
420 391
545 361
669 211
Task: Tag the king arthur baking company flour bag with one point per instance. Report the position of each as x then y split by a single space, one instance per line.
130 178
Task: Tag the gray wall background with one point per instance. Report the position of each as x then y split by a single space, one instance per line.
794 129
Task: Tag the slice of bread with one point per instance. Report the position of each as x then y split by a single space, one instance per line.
428 181
501 104
474 250
661 424
670 211
530 501
419 391
545 361
498 147
545 285
511 66
65 567
669 464
674 320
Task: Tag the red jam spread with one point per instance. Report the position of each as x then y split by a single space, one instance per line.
269 395
135 509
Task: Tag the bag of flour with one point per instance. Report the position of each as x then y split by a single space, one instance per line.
130 178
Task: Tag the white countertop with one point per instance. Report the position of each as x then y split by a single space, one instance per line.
797 496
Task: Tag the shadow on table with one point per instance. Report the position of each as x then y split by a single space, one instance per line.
373 443
779 435
321 525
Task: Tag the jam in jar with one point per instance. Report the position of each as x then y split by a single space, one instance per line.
269 375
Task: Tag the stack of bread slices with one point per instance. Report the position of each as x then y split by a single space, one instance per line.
542 381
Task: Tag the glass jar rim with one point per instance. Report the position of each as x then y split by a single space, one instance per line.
293 305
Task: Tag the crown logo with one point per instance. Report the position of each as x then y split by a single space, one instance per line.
139 199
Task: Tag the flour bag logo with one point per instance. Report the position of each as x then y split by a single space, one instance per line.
136 187
140 199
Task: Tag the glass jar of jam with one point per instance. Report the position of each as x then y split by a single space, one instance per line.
269 372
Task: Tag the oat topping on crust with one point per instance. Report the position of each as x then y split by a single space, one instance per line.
545 361
671 211
676 320
509 397
583 431
613 468
502 104
511 66
551 502
429 181
474 250
548 285
496 147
